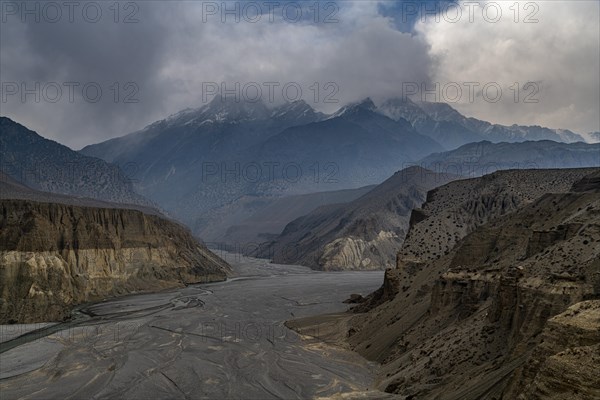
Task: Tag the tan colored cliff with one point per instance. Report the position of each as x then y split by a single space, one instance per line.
54 256
565 363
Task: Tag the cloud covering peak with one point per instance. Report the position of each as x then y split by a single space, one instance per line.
344 52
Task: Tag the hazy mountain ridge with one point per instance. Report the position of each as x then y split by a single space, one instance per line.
221 114
362 234
481 158
450 133
365 146
13 190
185 162
49 166
452 129
250 221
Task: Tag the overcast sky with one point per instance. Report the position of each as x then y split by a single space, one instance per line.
152 59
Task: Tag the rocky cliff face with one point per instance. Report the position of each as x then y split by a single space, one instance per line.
589 183
54 256
454 210
484 320
564 365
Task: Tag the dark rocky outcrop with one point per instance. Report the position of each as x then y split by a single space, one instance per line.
588 183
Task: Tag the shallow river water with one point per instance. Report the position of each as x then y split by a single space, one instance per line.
215 341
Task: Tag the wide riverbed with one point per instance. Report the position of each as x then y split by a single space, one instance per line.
216 341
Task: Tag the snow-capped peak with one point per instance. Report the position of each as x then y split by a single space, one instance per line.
298 109
365 104
405 108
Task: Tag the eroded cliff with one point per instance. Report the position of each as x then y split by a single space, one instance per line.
54 256
477 321
564 365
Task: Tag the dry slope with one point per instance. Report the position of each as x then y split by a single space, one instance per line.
472 323
512 310
456 209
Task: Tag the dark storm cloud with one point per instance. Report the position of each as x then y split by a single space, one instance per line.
79 53
175 47
161 60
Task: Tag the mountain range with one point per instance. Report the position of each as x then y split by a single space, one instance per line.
452 129
200 160
216 166
48 166
482 158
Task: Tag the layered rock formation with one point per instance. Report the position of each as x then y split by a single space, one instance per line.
54 256
564 365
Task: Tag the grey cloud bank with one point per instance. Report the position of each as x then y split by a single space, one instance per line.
152 59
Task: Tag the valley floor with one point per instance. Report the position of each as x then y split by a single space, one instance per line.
221 340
